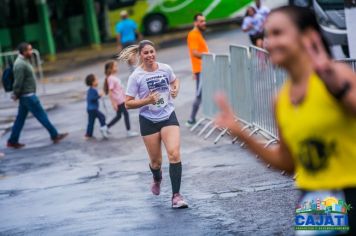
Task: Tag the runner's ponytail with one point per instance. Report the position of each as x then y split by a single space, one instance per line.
131 51
127 53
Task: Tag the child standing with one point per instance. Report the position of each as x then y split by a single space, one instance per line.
113 87
93 108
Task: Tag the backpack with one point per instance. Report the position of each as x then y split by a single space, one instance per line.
8 79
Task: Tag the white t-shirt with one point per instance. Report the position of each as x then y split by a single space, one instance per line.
263 11
257 23
141 83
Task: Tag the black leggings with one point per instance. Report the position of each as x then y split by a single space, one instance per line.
121 109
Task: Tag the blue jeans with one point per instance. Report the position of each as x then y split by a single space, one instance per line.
92 115
30 104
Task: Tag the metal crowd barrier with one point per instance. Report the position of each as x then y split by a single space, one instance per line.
8 58
240 91
208 60
250 83
266 80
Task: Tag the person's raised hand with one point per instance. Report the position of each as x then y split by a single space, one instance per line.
316 50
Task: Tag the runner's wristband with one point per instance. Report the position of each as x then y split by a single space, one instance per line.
342 92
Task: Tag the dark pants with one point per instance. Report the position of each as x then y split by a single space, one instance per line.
121 109
92 115
256 37
198 97
30 104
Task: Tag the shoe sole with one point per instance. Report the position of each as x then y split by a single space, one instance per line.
59 140
15 147
180 207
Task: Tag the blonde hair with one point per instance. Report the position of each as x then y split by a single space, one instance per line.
134 50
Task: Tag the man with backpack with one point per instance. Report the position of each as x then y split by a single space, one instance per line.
24 90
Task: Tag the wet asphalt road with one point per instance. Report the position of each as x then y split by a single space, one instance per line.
102 187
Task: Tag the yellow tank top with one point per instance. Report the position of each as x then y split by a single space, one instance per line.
321 137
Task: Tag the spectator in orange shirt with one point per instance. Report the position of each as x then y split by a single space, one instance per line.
197 46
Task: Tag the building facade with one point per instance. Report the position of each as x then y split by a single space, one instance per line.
50 25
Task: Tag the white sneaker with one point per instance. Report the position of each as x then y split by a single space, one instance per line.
131 133
178 201
104 131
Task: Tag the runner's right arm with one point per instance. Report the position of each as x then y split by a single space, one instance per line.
132 103
132 92
278 157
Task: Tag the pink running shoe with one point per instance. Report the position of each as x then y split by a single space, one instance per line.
178 201
156 187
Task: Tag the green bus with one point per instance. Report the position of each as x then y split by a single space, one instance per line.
157 16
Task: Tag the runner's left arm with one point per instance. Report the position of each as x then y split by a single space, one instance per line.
175 85
278 156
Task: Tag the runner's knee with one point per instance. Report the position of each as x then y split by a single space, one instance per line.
173 155
156 164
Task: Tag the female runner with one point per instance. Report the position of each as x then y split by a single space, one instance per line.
152 88
315 111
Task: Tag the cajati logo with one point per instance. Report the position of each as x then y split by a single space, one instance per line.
329 213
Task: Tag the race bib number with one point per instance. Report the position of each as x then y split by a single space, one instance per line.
161 103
